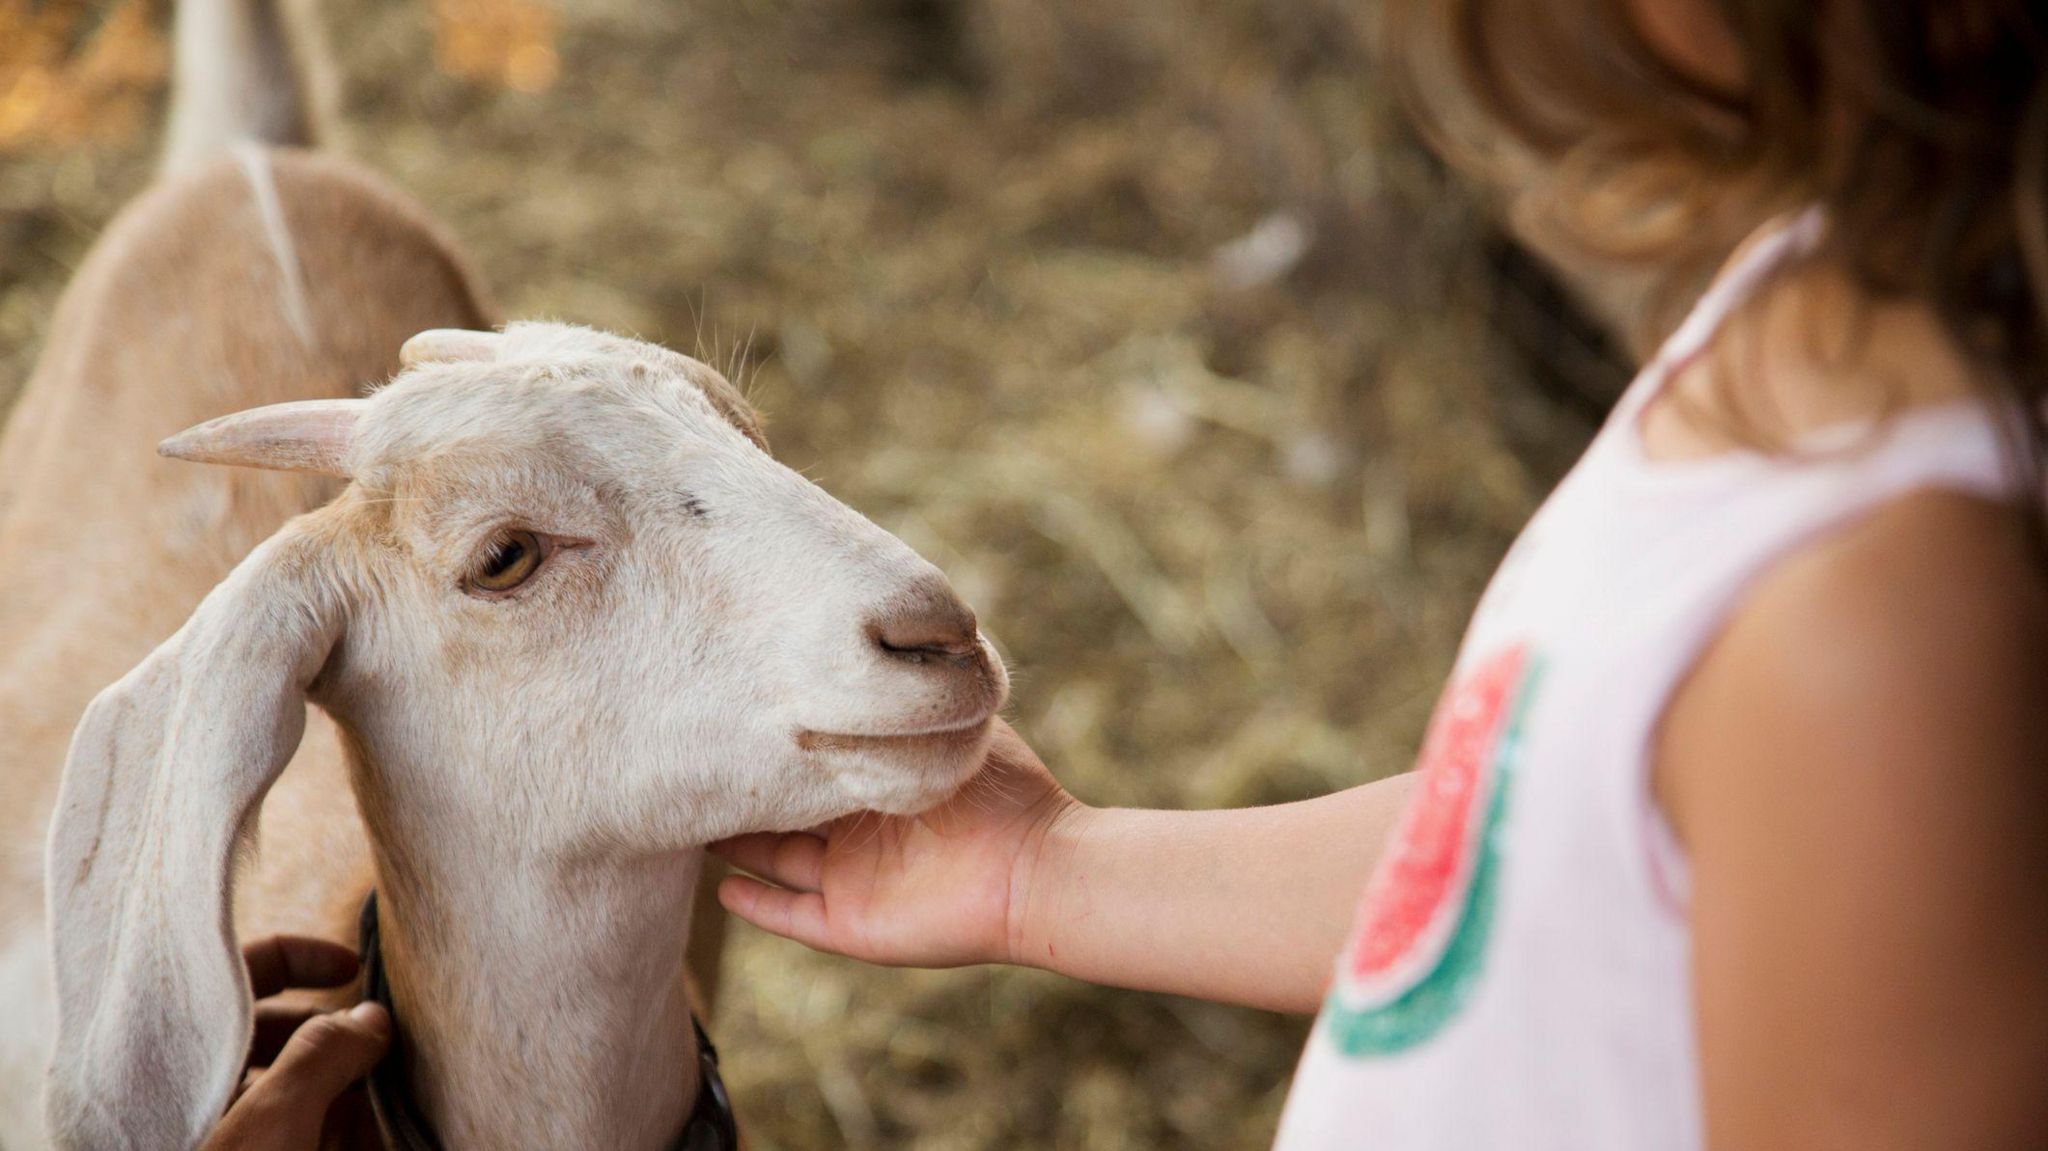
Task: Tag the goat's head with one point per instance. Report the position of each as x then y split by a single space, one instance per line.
569 605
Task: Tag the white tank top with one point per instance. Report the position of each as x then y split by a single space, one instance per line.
1519 971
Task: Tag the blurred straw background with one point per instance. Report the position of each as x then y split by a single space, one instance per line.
1152 324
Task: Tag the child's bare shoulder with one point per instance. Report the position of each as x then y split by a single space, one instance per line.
1856 769
1895 666
1935 595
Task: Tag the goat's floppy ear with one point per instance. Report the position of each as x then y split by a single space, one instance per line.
302 436
166 772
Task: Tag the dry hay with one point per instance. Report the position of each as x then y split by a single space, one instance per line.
1152 325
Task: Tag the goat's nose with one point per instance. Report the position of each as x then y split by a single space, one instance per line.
930 623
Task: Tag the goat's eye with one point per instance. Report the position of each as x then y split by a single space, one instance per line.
512 560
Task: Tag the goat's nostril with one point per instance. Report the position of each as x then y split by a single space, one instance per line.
936 628
918 653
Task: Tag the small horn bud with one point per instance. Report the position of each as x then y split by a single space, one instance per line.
307 436
447 345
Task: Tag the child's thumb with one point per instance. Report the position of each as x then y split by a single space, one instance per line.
329 1052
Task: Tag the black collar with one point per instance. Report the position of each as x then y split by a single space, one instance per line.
710 1128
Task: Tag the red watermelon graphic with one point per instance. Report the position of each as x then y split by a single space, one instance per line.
1422 924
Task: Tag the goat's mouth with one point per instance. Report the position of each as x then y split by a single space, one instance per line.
952 739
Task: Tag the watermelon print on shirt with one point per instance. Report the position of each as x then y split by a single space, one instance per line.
1420 936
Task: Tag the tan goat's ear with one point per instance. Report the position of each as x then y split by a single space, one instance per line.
305 436
166 772
446 345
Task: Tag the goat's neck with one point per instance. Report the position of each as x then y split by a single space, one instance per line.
542 1001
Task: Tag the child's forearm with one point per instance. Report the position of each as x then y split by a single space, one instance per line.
1247 906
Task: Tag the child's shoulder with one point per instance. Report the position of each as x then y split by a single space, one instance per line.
1936 601
1886 679
1933 591
1856 769
1924 592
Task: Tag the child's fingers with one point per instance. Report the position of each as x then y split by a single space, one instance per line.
277 962
326 1054
275 1024
798 915
795 861
287 1105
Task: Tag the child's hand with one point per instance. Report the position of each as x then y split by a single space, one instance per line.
942 889
1246 906
304 1068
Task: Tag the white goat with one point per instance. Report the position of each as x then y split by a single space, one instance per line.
570 620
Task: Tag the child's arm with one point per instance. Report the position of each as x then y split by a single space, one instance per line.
1244 906
1859 768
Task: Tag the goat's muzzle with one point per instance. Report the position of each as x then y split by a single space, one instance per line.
929 626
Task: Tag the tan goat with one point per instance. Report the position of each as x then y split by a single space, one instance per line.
254 278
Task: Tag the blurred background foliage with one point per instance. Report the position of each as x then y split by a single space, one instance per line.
1151 323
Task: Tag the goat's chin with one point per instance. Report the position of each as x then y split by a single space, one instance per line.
905 774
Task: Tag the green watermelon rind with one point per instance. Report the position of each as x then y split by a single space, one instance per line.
1420 1012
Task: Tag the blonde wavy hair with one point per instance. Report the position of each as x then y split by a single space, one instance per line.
1920 126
